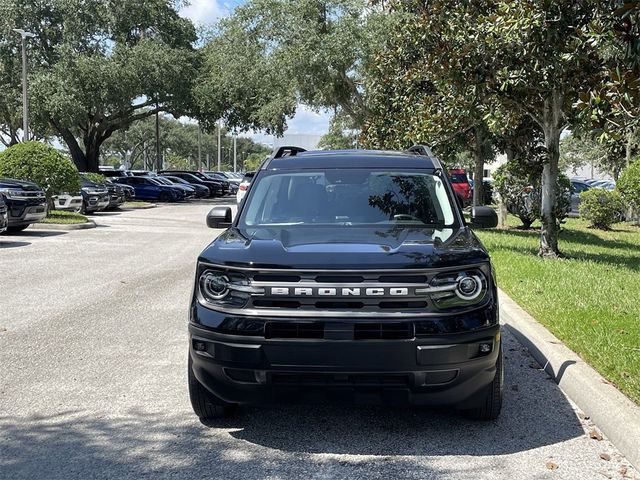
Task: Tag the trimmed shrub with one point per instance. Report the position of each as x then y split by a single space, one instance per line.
629 185
42 164
601 207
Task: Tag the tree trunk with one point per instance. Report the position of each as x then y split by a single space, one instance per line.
77 154
552 130
87 160
478 167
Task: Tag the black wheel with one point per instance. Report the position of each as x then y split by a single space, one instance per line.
492 403
204 403
83 208
16 229
164 197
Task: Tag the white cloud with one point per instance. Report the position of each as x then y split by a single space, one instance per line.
206 11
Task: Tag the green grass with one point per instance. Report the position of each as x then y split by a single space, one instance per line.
136 204
590 298
64 218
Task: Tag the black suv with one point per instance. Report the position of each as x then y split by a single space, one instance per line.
350 276
26 203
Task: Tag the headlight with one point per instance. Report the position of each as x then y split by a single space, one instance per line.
459 289
224 289
20 194
214 285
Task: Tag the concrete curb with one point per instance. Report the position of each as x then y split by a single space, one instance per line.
616 415
62 226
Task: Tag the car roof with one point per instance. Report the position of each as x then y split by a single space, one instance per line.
350 159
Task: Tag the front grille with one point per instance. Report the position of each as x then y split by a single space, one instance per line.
383 331
294 330
337 379
349 331
341 292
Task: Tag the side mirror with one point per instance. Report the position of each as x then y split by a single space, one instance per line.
483 217
219 217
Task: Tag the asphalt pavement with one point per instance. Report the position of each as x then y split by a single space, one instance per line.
93 354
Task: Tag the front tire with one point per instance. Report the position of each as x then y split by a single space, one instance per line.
204 403
491 405
164 197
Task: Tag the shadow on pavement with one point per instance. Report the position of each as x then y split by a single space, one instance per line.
36 233
4 244
283 442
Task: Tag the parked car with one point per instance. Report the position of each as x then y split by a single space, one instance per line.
224 181
215 187
129 192
200 190
577 187
4 215
141 173
112 172
146 189
233 181
244 186
25 201
187 191
461 185
95 196
116 195
346 276
67 202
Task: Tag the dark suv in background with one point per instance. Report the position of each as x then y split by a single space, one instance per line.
215 187
347 276
25 201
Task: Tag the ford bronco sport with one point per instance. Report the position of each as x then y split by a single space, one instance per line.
349 276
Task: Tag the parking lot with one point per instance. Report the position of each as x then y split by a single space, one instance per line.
93 353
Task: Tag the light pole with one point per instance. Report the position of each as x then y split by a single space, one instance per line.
25 101
235 154
219 145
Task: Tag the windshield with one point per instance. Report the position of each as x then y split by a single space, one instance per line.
348 197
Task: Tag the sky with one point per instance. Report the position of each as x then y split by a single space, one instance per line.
203 12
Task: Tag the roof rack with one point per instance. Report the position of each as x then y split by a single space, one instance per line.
426 151
288 151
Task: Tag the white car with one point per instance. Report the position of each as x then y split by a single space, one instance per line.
69 203
244 186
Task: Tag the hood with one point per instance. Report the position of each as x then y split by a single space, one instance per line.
18 184
346 248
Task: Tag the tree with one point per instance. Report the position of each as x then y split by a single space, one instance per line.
629 185
288 52
340 136
135 146
42 164
98 66
428 84
608 155
542 62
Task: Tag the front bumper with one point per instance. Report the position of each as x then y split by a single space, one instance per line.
4 218
70 203
423 370
95 202
26 212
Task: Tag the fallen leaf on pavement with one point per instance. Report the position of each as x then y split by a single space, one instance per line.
595 435
605 456
552 466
